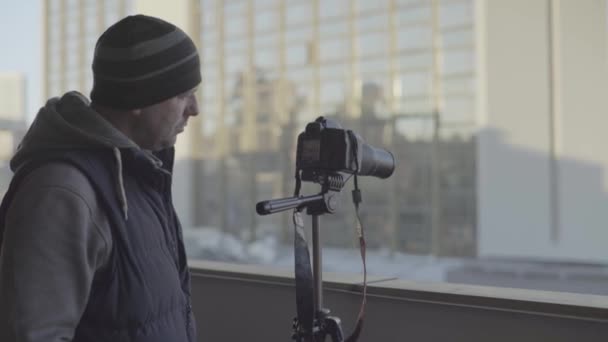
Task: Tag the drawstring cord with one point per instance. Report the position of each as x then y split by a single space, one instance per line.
122 196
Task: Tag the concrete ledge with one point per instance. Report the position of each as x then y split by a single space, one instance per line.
262 296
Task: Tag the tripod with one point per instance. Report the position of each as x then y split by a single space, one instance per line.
313 323
323 323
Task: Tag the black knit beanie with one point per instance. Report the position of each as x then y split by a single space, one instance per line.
142 60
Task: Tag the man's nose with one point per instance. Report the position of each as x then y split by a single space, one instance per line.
192 109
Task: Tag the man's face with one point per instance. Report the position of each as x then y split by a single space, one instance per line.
159 124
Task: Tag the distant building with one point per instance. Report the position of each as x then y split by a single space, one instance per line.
12 120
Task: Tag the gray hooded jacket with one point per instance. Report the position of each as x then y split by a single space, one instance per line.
56 234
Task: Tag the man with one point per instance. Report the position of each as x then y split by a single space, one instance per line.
91 248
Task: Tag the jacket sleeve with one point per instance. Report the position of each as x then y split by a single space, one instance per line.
54 241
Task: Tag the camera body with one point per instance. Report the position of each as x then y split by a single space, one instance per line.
325 148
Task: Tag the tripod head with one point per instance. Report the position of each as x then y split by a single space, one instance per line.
323 203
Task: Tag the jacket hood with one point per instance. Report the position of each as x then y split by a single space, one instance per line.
67 123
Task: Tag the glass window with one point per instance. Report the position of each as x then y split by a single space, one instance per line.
264 4
266 59
298 14
416 84
334 71
235 63
54 5
373 65
457 38
414 38
459 85
207 4
71 27
332 92
234 8
334 49
210 92
235 45
419 105
266 40
209 53
297 54
333 28
235 26
209 37
457 61
111 15
458 109
209 17
416 60
372 22
90 25
374 5
334 8
414 129
455 14
298 34
228 218
6 148
266 21
72 5
414 15
210 72
373 44
299 75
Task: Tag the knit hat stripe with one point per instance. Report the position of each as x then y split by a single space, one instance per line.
150 74
140 94
134 68
141 50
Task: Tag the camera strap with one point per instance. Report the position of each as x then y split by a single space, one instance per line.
357 198
303 275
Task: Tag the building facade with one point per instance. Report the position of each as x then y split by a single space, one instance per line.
400 73
12 121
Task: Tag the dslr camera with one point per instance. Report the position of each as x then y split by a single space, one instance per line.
326 148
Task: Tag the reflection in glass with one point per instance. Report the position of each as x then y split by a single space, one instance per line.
416 83
380 95
297 55
373 22
335 71
298 14
458 61
414 15
267 59
236 25
299 34
455 14
459 109
334 49
235 63
334 8
366 5
371 44
332 93
332 28
266 21
415 38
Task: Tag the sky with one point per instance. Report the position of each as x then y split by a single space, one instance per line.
21 38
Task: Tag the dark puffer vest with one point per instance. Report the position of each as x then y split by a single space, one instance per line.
144 292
